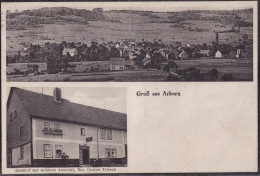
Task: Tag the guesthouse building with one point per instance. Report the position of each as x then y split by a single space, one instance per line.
117 64
71 51
42 130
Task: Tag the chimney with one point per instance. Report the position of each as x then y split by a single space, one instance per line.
57 94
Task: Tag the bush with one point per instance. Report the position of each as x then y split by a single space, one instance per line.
213 73
17 72
173 78
66 79
227 77
170 66
33 68
190 74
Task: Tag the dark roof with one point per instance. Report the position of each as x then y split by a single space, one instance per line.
39 105
117 61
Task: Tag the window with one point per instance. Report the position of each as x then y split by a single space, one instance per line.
15 114
102 133
47 125
59 152
11 117
82 131
21 151
21 131
113 153
47 150
56 126
109 134
106 134
110 153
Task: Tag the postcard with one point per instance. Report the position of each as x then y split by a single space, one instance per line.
129 87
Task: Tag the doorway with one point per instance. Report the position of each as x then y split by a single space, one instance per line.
86 156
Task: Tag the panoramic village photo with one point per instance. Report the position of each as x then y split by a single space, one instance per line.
127 44
66 127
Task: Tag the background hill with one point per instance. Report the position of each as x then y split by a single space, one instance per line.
79 25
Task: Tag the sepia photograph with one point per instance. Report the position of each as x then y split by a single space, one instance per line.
73 127
127 87
124 42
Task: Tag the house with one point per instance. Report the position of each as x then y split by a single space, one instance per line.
172 56
218 54
117 64
183 55
147 56
132 55
71 51
205 53
165 53
42 128
239 53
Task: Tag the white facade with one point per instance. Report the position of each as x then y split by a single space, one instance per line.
117 67
218 54
72 139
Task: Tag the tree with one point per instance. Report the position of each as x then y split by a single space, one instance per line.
114 52
213 73
227 77
204 46
170 66
192 74
139 60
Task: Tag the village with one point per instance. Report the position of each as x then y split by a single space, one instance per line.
127 55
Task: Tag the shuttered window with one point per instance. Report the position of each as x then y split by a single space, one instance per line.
57 126
109 134
47 125
106 134
103 133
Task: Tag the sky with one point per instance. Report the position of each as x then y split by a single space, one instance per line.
110 98
147 6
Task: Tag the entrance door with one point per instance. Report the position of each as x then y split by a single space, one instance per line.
86 156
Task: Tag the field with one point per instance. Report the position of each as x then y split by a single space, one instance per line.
241 69
125 25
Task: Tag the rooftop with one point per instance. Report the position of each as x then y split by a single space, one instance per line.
44 106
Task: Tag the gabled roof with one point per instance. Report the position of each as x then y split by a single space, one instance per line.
44 106
183 53
69 50
117 61
204 51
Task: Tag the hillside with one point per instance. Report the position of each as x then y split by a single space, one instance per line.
78 25
32 18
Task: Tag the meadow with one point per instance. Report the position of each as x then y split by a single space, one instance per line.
133 26
241 69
